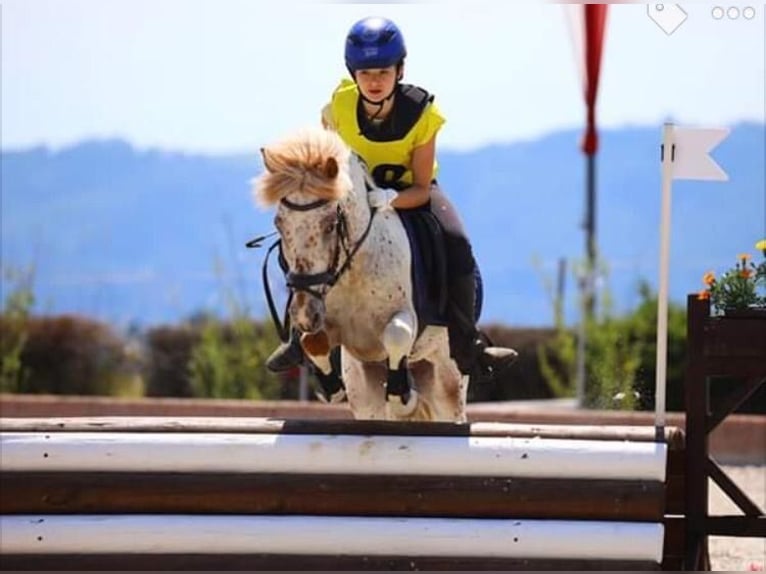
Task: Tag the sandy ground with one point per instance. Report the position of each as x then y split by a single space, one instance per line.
738 554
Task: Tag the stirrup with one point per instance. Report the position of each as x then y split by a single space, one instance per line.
498 357
493 356
492 362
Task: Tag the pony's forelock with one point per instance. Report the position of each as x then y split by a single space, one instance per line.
299 162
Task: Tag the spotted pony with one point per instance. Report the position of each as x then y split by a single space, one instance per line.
349 273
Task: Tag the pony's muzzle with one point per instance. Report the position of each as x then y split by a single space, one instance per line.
307 313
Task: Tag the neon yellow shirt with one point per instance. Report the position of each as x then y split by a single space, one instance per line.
414 120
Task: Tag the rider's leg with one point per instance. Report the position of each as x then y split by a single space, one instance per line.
467 345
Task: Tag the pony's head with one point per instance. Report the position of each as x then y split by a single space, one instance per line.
307 165
307 177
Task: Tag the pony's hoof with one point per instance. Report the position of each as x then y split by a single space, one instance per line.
336 398
402 406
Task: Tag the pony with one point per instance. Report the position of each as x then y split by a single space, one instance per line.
348 270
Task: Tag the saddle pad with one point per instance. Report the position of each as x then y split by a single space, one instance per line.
429 266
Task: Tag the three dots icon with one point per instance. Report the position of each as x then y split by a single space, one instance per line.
732 12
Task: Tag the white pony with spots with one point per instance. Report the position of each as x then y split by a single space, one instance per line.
349 272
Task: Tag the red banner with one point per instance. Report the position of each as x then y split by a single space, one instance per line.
595 24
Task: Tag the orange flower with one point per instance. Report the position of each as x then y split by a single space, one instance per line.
703 295
744 257
709 278
745 273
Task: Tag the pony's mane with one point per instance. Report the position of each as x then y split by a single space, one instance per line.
303 162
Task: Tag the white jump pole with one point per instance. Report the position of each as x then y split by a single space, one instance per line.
330 535
332 454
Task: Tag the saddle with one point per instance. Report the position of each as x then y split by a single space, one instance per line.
429 266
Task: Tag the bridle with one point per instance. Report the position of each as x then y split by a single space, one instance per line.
308 282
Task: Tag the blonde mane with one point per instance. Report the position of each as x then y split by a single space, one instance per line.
313 161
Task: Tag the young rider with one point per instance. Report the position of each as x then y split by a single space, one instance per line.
393 127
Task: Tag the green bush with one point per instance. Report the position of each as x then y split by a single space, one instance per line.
620 356
64 354
76 356
18 301
169 350
644 329
228 360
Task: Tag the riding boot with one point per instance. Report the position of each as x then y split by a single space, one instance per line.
468 347
288 355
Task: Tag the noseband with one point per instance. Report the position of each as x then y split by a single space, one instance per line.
307 282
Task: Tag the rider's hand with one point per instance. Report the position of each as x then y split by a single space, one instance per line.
381 198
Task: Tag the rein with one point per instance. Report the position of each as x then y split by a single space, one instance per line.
282 325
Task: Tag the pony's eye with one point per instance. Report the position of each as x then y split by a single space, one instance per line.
329 228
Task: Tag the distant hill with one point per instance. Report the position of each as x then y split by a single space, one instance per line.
147 236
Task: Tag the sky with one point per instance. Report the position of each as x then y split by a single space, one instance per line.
223 76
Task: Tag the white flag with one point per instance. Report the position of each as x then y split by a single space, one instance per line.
691 154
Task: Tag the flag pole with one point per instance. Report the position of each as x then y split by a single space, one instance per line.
667 156
684 154
594 21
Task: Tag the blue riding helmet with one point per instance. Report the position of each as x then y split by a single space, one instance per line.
374 43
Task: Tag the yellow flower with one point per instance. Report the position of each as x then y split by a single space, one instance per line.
739 287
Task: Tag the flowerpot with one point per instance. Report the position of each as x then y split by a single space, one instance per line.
749 313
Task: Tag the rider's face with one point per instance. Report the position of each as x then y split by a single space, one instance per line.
376 83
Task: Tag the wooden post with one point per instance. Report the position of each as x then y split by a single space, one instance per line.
695 391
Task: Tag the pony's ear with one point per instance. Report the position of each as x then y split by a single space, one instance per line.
266 160
331 168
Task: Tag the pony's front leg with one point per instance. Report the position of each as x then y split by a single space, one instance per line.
327 367
333 390
398 339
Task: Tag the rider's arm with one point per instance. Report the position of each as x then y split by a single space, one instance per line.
422 174
327 122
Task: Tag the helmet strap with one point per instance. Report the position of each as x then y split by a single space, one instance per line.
380 103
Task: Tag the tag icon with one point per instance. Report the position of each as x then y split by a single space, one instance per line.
667 16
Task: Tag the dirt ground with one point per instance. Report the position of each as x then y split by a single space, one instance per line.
738 554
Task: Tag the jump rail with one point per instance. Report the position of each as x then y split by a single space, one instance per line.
160 493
